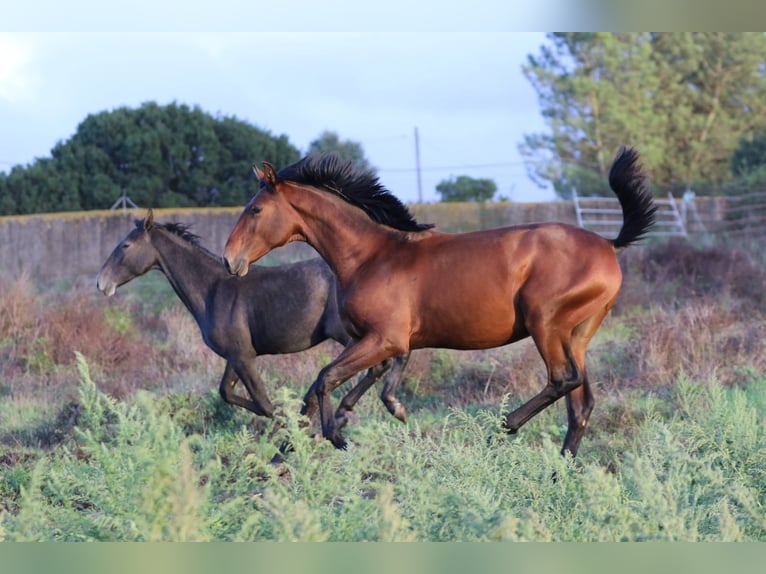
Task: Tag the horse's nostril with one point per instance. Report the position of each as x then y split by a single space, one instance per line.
226 265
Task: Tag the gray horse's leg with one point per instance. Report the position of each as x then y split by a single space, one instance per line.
259 403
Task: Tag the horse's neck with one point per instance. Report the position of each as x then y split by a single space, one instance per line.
342 234
191 272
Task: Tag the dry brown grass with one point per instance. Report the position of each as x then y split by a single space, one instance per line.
700 311
19 320
682 310
672 273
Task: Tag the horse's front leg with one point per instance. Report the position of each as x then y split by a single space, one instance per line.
357 356
352 397
393 378
394 370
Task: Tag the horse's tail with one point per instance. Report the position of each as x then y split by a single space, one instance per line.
627 180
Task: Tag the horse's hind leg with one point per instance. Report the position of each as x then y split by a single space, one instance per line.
259 403
564 375
554 343
580 401
388 394
579 406
226 390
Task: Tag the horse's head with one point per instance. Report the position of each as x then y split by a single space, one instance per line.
132 257
267 222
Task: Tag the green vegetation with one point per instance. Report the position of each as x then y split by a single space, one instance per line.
685 99
465 188
121 435
159 156
131 472
348 150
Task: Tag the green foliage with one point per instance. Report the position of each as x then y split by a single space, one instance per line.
159 156
118 319
348 150
37 358
128 476
750 155
683 99
465 188
133 473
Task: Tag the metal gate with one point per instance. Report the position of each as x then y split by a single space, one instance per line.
604 216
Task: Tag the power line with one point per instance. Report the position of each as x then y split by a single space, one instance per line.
447 167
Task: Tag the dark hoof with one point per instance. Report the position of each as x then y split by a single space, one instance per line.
510 429
278 464
400 412
339 442
277 459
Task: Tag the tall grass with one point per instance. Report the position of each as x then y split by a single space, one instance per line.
130 472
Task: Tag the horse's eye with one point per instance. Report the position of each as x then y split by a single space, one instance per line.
255 209
125 246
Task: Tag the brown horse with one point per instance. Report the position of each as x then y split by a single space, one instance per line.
402 285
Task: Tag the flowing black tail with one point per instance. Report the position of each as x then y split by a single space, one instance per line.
627 180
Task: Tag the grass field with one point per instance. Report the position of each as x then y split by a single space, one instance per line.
111 427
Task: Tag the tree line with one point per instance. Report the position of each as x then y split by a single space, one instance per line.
168 156
159 156
693 103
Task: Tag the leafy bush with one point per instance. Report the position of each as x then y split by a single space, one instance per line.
132 473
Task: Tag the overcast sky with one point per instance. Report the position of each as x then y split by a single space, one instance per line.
464 92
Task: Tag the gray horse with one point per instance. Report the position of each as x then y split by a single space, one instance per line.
274 310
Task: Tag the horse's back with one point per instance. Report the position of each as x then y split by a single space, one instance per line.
474 290
513 254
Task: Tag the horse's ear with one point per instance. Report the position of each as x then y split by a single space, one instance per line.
258 173
269 173
148 220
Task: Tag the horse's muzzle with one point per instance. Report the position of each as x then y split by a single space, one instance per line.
106 287
237 267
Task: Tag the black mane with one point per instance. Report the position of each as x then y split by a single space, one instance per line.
180 230
359 187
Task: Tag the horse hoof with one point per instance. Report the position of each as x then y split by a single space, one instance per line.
401 413
277 459
339 442
278 464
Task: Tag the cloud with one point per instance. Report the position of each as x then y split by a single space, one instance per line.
17 80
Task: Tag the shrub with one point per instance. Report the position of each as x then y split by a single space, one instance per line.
132 473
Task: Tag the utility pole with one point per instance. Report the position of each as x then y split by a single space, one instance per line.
417 166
